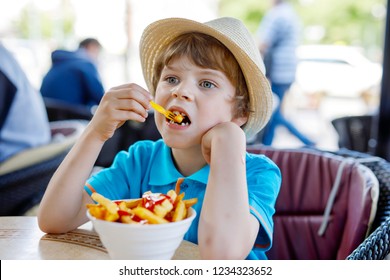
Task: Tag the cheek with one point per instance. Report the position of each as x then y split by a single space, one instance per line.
214 114
161 90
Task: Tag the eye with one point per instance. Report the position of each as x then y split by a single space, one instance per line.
172 80
207 84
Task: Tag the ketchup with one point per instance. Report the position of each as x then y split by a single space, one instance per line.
150 200
123 213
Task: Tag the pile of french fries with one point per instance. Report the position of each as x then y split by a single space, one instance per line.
151 208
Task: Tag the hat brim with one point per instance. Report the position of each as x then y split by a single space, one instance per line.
233 34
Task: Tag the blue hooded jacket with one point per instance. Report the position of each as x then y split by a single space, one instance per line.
73 78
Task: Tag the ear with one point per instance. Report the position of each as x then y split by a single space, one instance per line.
240 121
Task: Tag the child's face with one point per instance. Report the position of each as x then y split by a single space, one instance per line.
205 96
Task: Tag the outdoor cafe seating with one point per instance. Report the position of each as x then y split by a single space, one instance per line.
24 177
356 132
331 206
377 244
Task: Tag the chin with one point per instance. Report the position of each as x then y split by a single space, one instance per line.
175 142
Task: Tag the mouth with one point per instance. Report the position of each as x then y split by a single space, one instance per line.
185 120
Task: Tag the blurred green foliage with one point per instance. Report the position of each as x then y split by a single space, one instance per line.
352 22
34 23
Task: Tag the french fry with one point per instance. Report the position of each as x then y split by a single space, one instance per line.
97 211
111 206
146 214
190 202
179 198
172 194
128 220
162 209
133 203
180 212
112 217
124 209
122 206
178 183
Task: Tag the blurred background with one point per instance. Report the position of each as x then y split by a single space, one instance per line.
340 57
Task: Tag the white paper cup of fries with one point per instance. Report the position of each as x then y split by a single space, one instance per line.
139 241
142 242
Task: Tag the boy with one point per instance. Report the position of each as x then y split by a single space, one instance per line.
213 75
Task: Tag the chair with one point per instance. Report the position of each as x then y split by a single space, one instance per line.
377 245
317 215
58 110
24 177
355 132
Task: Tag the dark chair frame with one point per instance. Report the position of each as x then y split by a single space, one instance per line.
356 133
377 245
22 189
25 176
58 110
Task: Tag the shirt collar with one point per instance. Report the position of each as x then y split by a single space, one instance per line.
163 171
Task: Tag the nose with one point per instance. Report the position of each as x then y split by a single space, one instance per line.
182 91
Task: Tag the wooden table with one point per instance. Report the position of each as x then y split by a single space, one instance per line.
21 239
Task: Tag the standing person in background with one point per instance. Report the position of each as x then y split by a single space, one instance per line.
74 77
23 119
279 35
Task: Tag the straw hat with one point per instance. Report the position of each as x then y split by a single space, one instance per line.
234 35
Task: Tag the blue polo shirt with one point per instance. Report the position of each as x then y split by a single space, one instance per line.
149 166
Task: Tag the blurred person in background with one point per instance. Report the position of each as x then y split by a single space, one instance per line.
23 118
73 76
279 36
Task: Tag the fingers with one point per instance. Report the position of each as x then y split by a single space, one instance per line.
129 109
119 104
133 92
128 101
223 136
